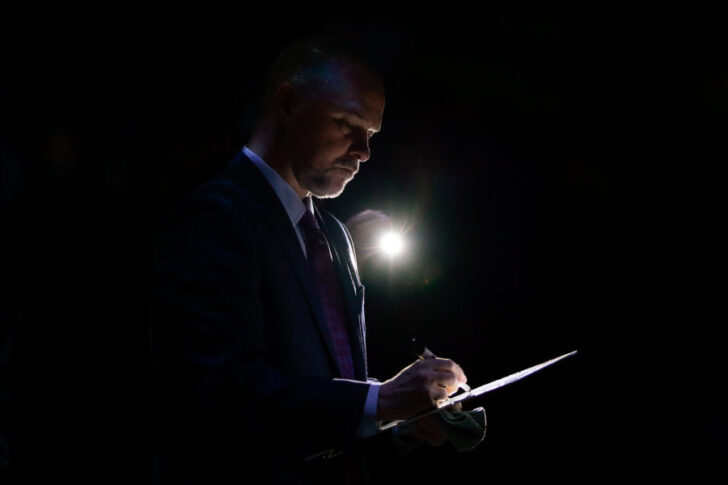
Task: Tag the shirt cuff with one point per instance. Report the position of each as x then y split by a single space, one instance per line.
369 424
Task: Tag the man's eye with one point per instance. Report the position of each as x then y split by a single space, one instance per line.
345 125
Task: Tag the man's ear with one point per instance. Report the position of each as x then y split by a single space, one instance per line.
285 101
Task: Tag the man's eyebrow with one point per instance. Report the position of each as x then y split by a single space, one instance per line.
357 114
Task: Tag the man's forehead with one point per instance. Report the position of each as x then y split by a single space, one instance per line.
352 88
363 91
366 113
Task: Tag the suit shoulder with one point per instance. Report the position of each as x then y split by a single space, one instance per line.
219 208
224 191
219 195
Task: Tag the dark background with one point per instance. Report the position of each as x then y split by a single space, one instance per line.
554 165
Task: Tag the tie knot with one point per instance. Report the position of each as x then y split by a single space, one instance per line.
313 232
308 221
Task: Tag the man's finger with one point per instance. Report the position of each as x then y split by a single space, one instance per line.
444 379
460 375
438 394
446 365
440 364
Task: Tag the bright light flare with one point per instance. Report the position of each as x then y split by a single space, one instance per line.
391 243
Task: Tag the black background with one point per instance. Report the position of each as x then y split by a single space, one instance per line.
555 166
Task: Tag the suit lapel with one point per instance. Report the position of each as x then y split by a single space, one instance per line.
352 288
250 178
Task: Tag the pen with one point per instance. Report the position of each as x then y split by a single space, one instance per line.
423 352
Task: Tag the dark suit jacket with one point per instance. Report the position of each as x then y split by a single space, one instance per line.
244 360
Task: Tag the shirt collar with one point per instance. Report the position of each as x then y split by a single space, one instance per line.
294 206
308 203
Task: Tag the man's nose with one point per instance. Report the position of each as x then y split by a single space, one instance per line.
360 148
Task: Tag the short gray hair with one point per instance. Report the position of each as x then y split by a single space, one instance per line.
307 62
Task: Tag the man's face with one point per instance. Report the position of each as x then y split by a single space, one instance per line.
329 131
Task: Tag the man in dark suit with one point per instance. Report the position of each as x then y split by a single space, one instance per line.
257 319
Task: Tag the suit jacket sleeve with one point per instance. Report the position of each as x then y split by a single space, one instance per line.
209 324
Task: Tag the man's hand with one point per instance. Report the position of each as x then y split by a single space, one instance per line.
418 387
430 429
366 228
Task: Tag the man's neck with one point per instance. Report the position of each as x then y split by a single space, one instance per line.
278 161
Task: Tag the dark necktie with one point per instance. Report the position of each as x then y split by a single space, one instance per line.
329 288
